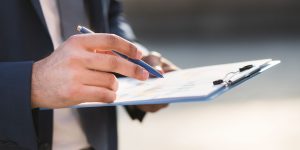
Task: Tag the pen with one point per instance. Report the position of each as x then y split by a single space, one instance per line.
141 63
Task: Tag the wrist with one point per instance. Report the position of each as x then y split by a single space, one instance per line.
35 85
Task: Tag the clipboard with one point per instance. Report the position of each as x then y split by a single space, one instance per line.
188 85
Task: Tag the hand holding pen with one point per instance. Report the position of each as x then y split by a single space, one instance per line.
141 63
72 74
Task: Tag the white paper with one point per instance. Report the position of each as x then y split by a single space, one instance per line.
178 86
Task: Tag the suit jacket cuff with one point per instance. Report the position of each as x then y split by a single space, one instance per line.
17 125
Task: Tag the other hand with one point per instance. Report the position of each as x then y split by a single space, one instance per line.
164 66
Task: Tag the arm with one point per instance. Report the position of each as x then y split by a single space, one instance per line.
15 108
118 23
72 74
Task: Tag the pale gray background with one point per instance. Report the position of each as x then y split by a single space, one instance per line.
263 113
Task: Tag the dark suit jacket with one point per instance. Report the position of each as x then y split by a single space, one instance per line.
24 39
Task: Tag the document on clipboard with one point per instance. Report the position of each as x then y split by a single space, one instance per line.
187 85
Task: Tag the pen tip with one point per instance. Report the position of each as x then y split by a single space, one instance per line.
79 27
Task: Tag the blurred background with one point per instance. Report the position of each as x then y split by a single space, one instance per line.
263 113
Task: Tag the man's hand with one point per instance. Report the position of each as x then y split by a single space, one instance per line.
163 65
74 74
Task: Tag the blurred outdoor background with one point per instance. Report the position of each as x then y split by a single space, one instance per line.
263 113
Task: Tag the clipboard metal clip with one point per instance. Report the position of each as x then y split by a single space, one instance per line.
227 79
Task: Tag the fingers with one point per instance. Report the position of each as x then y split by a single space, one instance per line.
110 63
95 94
160 63
103 60
168 66
153 59
100 79
102 41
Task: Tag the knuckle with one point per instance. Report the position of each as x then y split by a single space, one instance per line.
74 76
95 58
71 92
116 85
111 97
136 71
74 38
73 58
113 39
132 49
114 63
112 80
108 96
86 60
71 84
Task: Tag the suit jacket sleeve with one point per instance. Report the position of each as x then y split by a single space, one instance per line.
16 127
119 26
118 23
